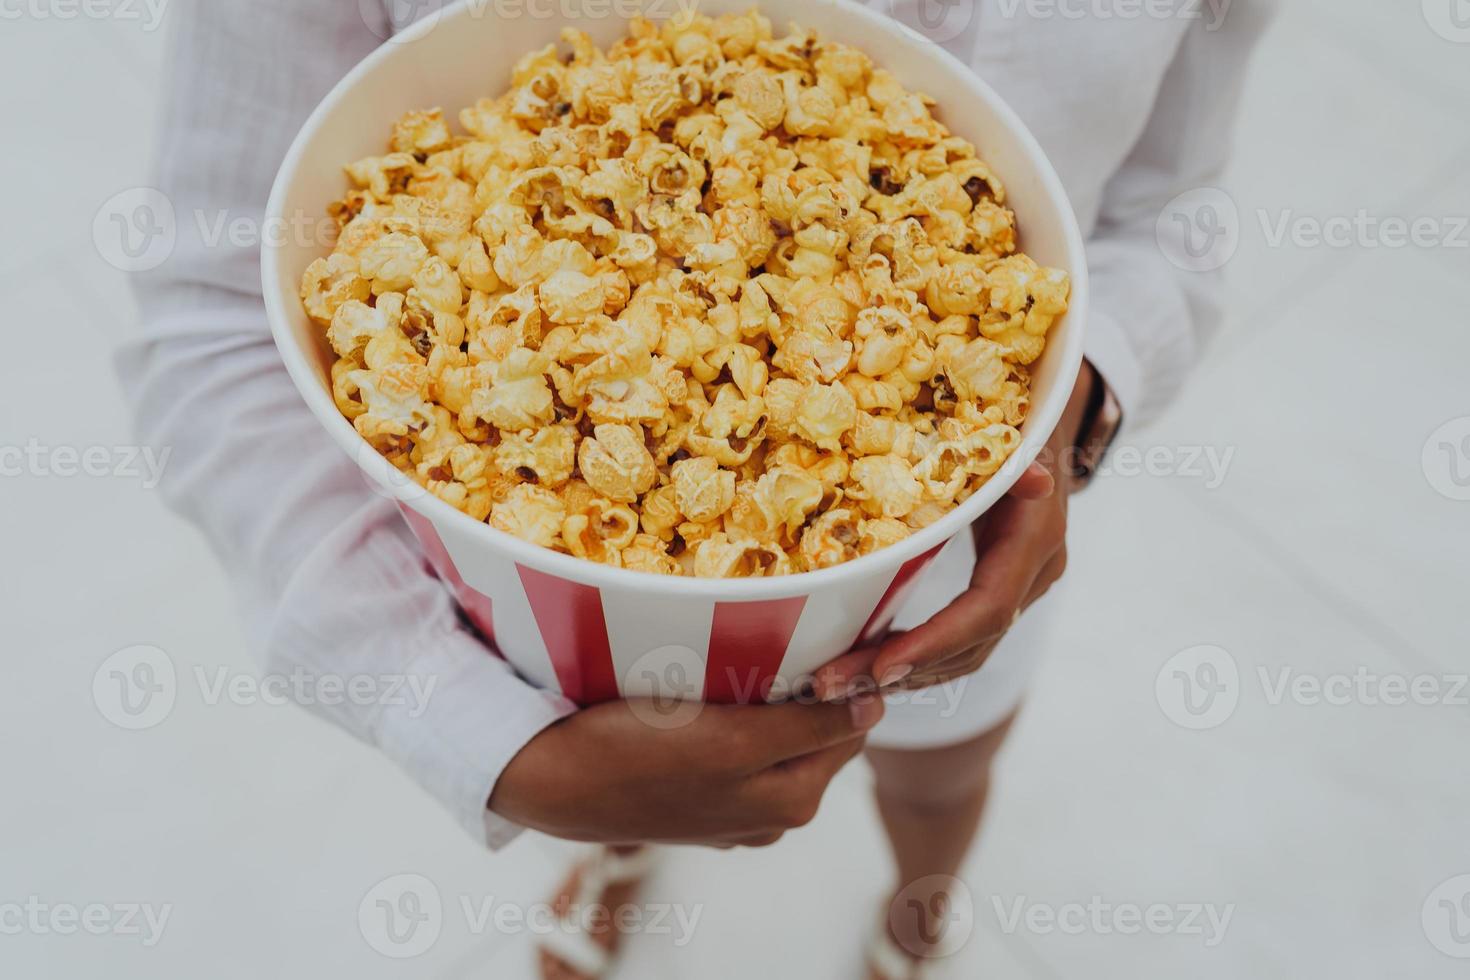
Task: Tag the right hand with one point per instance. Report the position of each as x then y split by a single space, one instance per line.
736 775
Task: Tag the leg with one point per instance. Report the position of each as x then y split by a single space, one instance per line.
611 895
931 802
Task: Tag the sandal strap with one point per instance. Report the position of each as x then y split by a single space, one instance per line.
571 943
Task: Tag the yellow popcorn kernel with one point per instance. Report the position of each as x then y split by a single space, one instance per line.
392 261
831 539
648 554
846 66
600 531
437 286
730 429
384 176
760 94
545 457
789 496
615 462
884 336
813 357
517 396
957 289
476 271
824 413
880 532
396 395
702 490
330 282
531 513
879 435
976 370
720 556
660 512
781 396
355 323
885 486
345 392
569 296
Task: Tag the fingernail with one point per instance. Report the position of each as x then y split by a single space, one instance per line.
829 689
896 674
866 712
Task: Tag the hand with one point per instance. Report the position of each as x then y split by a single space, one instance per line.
1021 551
735 775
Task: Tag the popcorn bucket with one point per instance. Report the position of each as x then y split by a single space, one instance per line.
591 631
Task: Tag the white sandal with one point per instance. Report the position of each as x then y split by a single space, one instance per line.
572 941
890 962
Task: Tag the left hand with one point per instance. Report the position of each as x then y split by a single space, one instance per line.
1021 551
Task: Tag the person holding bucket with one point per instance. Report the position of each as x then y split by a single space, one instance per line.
332 582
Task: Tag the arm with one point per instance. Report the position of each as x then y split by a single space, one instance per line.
330 580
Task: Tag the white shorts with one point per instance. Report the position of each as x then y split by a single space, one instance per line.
967 707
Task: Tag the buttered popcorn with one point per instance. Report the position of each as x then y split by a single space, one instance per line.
708 303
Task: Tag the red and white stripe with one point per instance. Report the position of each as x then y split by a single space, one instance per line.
597 645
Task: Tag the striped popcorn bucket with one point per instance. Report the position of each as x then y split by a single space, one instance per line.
591 631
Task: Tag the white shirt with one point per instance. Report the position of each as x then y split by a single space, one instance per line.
1132 111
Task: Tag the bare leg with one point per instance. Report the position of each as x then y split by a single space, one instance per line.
931 803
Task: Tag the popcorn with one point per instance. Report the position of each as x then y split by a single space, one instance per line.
709 302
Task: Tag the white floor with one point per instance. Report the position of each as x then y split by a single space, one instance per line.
1326 551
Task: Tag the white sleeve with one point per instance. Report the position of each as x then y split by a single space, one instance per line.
1149 317
331 582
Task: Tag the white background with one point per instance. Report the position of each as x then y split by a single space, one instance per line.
1326 549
